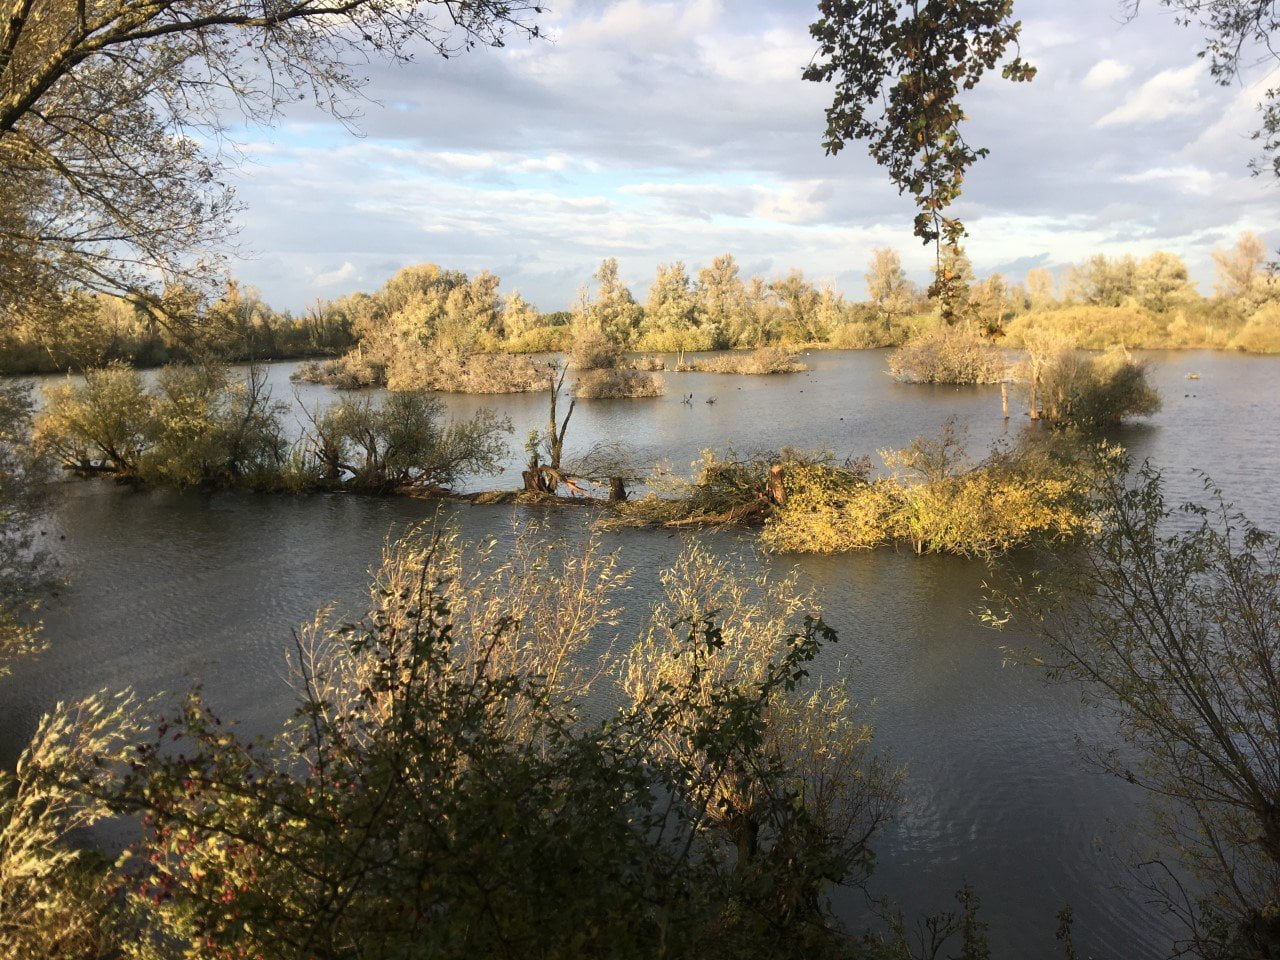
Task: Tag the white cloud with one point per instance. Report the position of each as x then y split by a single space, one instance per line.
1170 93
1107 73
344 274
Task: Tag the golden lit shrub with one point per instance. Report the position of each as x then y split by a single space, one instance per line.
831 509
1092 327
948 355
1261 334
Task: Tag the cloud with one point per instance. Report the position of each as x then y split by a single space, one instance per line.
1170 93
1106 73
662 130
343 274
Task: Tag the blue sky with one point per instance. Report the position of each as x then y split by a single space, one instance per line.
660 131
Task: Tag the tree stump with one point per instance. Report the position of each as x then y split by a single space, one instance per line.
777 493
617 490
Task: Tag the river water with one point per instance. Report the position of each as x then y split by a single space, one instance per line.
165 589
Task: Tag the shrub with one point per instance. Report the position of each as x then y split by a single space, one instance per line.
1092 327
648 362
352 371
948 354
403 444
1261 333
864 336
206 427
607 384
1095 392
23 567
101 423
541 340
592 350
433 763
686 339
416 369
761 361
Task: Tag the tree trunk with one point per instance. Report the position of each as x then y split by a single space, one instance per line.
617 490
776 491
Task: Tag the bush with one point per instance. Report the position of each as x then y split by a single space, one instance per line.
685 340
1261 333
402 444
1092 327
865 336
103 423
762 361
956 354
353 371
420 368
592 350
438 758
541 340
197 426
615 384
1095 392
937 503
23 567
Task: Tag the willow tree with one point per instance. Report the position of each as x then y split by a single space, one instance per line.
105 104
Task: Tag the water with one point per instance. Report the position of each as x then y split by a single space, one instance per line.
170 588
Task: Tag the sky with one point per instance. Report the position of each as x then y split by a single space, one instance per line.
662 131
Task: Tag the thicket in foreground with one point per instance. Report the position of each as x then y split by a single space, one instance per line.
441 789
1170 619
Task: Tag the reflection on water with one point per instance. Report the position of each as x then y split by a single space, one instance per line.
166 589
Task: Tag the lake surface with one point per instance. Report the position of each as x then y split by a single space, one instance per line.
165 589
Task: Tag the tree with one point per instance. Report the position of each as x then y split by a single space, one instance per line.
1161 281
1040 288
1239 269
1171 620
723 301
1104 282
102 183
899 69
519 316
22 568
888 286
614 312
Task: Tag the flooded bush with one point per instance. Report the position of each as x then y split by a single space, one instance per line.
592 350
948 354
402 443
23 566
759 362
932 498
1094 392
617 384
936 501
352 371
451 372
197 425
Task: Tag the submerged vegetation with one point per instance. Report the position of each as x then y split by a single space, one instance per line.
933 500
200 426
761 361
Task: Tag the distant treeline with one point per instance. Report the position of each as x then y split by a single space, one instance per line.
1148 303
